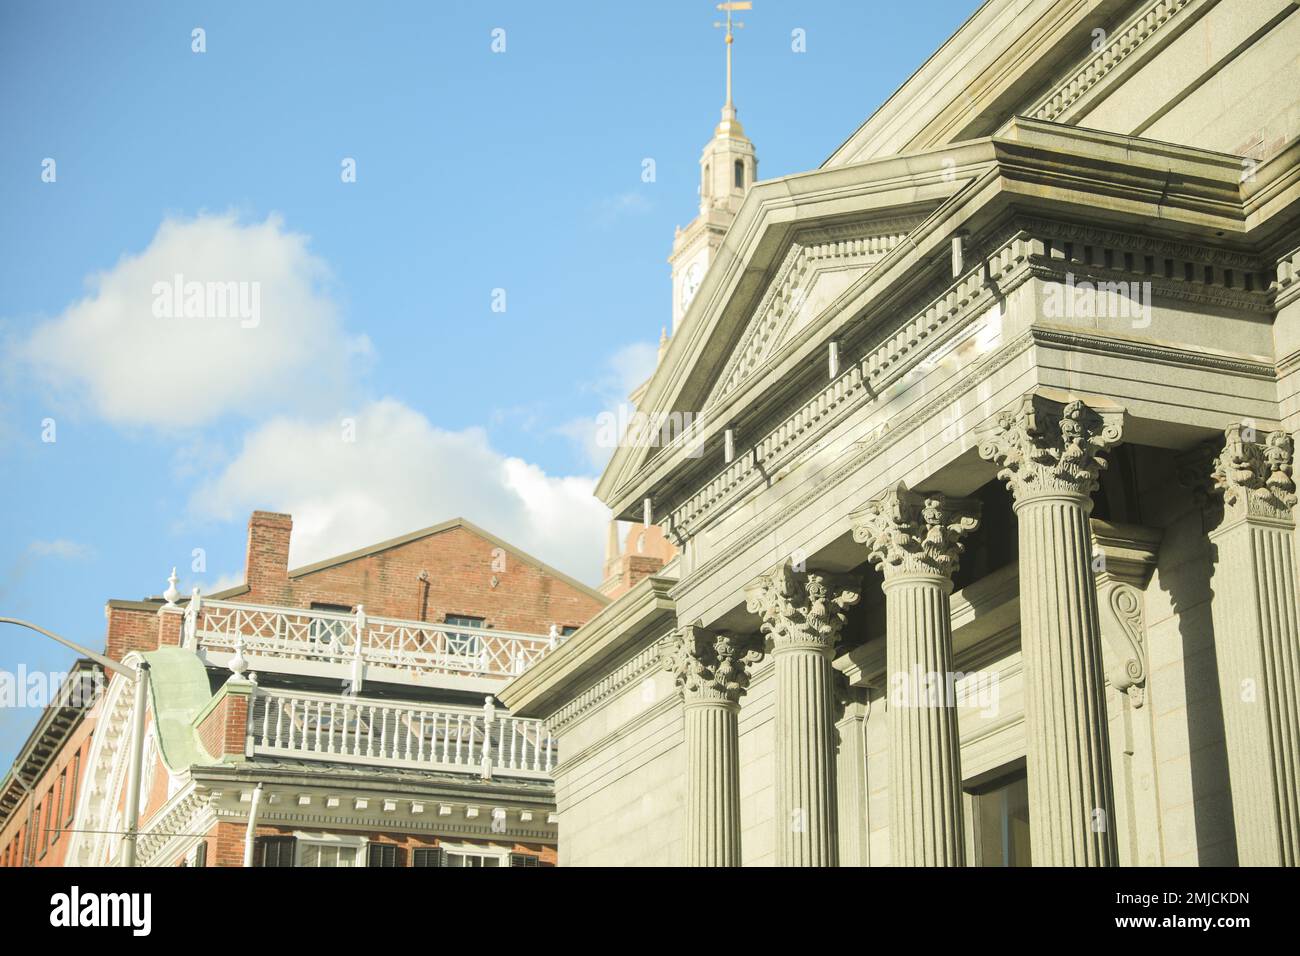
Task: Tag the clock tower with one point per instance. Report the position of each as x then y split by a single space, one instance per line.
728 167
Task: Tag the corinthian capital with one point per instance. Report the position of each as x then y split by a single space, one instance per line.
1254 476
710 666
1045 447
910 532
802 609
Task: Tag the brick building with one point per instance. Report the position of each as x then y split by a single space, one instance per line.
339 714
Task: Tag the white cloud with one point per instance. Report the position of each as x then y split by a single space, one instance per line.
132 367
624 372
60 548
399 474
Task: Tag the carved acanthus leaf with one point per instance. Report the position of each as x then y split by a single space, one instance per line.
802 608
1255 477
908 532
711 666
1045 447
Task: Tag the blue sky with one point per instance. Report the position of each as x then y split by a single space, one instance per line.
475 171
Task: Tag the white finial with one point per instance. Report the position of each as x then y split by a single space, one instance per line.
171 594
238 664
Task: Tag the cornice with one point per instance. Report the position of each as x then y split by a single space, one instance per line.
1125 48
1037 170
618 632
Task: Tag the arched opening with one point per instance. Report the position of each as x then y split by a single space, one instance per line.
740 174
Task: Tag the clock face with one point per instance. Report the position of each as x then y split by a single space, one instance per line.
691 284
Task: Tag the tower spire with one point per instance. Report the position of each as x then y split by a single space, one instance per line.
730 7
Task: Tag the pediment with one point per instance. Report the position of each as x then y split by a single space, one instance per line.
818 267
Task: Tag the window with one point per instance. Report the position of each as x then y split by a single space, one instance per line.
330 631
1000 822
740 174
462 643
427 856
72 790
327 854
473 855
567 629
48 806
524 859
58 807
382 854
197 856
273 851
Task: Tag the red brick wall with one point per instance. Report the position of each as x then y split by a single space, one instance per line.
46 793
266 564
224 729
129 630
460 566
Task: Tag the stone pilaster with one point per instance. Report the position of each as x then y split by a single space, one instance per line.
1049 455
803 613
1257 642
712 672
914 539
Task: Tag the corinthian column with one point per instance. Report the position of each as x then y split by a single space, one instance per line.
1049 456
803 613
1257 643
914 540
712 674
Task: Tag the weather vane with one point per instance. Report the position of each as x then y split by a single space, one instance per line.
731 6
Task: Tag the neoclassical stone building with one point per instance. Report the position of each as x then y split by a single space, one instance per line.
985 515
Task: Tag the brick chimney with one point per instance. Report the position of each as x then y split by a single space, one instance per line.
266 569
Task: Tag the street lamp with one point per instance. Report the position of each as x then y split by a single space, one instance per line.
139 675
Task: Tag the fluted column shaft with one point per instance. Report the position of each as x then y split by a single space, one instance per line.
925 822
712 783
712 673
805 758
1068 763
1257 644
1050 456
914 539
803 613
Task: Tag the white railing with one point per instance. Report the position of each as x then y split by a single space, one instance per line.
356 642
395 734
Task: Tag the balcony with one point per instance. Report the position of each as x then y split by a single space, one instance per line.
358 647
345 729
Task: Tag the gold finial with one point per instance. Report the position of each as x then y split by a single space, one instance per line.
731 6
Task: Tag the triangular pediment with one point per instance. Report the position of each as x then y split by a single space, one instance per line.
818 267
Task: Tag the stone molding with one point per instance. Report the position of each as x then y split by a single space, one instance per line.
802 609
643 663
812 252
1044 448
1120 48
709 666
915 533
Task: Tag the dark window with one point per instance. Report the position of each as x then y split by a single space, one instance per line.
45 830
567 629
72 790
201 854
427 856
381 854
464 643
1001 822
740 174
273 851
330 632
524 859
58 807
